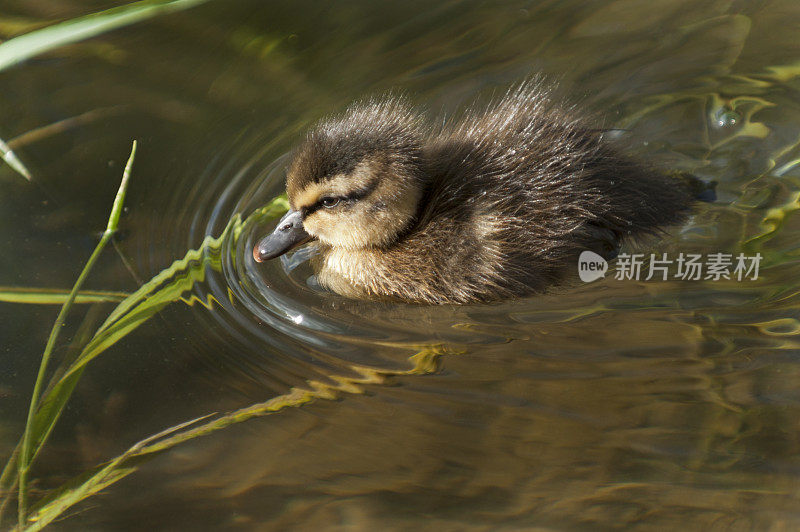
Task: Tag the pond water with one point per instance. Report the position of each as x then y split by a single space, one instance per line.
619 404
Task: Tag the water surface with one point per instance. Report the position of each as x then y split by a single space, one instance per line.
611 405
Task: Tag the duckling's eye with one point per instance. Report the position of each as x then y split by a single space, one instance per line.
329 203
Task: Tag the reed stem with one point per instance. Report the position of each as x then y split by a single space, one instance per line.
25 458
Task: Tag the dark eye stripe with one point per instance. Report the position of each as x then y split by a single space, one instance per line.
364 191
356 195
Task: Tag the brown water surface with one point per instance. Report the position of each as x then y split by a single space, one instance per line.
649 405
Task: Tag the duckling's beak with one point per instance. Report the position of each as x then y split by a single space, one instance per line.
287 235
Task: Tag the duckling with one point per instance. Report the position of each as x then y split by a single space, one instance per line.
494 205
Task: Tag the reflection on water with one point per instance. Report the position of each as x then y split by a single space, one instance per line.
616 404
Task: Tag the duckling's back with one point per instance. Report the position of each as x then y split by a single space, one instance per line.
516 193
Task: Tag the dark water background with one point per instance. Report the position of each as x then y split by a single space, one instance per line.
635 405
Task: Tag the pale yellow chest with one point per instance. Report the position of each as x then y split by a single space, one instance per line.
350 273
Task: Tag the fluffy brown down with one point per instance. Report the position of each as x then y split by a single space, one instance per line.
492 205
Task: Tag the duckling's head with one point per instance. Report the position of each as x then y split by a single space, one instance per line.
355 182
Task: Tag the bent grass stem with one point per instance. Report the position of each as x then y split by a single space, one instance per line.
25 457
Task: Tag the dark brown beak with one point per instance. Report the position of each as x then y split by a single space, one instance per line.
287 235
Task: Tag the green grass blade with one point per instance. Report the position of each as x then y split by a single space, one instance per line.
83 487
8 480
180 277
25 46
12 160
57 296
172 282
167 287
94 480
25 458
